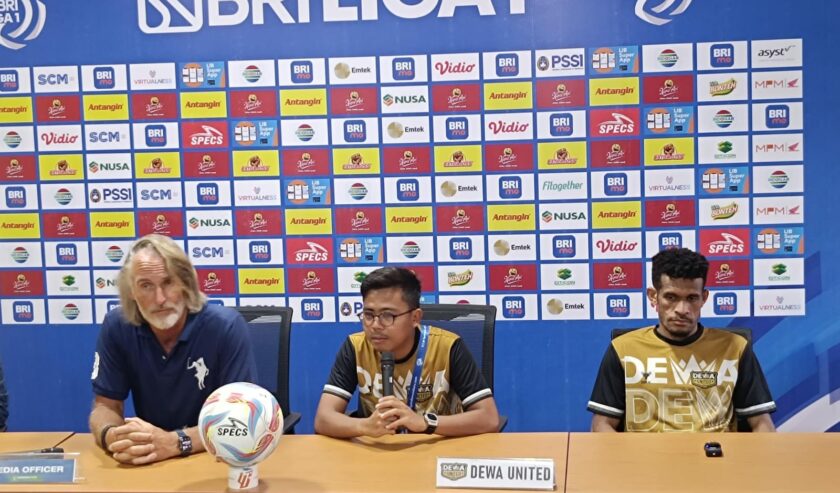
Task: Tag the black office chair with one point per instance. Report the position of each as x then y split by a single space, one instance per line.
270 332
476 325
743 424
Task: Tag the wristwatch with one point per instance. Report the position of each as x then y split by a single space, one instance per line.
431 423
184 443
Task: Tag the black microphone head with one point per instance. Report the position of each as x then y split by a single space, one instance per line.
388 358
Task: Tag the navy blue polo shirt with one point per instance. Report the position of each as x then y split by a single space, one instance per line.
168 390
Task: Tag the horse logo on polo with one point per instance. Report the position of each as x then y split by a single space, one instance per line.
201 371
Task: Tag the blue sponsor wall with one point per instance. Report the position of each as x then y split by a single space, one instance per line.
544 368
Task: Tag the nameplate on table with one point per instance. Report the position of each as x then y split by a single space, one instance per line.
40 469
520 474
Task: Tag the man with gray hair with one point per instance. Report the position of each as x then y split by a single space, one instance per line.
170 349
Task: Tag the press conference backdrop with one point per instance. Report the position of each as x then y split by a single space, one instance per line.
532 154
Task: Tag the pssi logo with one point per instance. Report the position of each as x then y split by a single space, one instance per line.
460 248
507 65
259 252
513 307
725 303
104 78
457 128
618 305
403 69
23 20
312 309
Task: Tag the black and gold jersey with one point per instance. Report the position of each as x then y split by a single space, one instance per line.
449 383
699 384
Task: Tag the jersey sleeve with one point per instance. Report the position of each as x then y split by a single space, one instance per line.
608 394
343 378
109 376
752 395
237 355
467 380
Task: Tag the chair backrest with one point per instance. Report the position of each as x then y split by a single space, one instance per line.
270 332
742 331
475 324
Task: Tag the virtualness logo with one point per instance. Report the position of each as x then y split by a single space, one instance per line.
662 13
23 20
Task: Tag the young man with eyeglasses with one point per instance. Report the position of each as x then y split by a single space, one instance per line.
437 385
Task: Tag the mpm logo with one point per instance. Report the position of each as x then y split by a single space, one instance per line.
23 311
9 81
777 116
66 254
563 246
722 55
725 303
15 197
208 193
302 72
403 69
510 187
460 248
561 124
668 241
507 65
457 128
312 309
259 252
355 131
104 78
513 307
408 190
155 136
618 305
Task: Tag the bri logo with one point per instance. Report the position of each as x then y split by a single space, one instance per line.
104 78
618 306
403 69
725 303
312 309
302 72
460 248
507 65
513 307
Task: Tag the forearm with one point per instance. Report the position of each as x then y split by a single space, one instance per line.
102 417
338 425
761 423
605 424
472 422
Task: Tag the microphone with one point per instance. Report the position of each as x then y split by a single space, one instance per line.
387 374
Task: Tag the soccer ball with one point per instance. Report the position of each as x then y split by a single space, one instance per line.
240 424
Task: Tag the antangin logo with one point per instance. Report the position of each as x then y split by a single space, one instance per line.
23 21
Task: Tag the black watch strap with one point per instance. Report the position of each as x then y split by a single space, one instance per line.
103 435
184 443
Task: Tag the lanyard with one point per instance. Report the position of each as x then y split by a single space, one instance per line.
418 366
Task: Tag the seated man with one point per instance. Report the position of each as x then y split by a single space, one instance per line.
438 387
170 349
679 375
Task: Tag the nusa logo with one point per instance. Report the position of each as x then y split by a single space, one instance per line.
513 307
23 311
510 187
507 65
403 69
460 248
355 131
259 252
312 309
104 78
618 305
302 72
725 303
408 190
457 128
208 193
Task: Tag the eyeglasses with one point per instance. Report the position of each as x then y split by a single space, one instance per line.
386 319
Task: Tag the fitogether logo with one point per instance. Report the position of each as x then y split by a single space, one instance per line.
22 21
662 12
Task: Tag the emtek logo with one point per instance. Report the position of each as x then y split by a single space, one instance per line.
66 254
561 124
15 197
513 307
563 246
507 65
155 136
510 187
312 309
208 193
722 55
615 184
23 311
777 116
259 252
104 78
457 128
460 248
302 72
403 69
725 303
408 190
618 305
668 241
9 81
355 131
